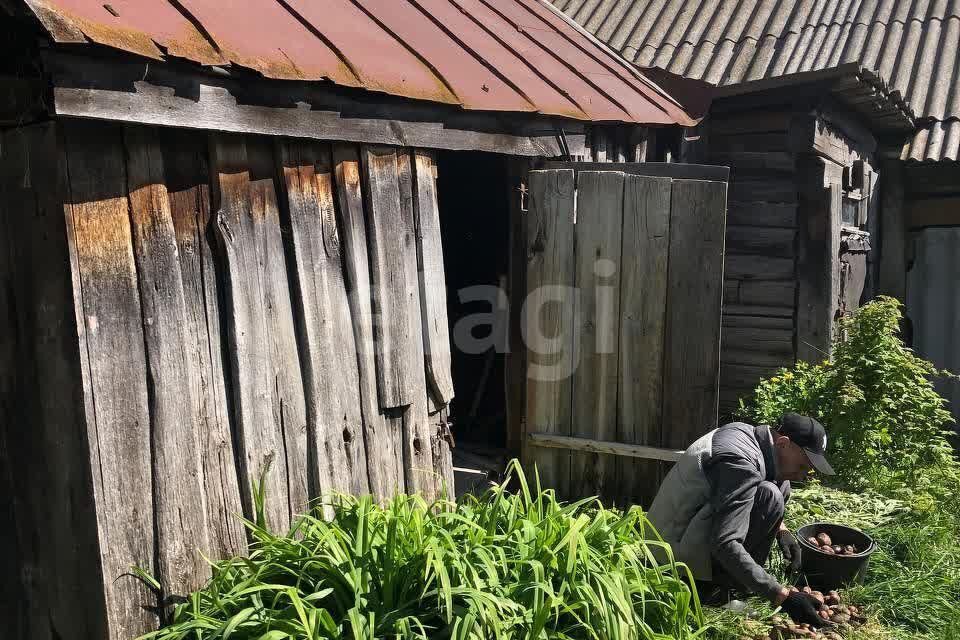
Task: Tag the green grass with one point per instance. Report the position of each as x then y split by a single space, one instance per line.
501 566
912 588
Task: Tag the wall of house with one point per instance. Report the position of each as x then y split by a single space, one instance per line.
791 262
195 313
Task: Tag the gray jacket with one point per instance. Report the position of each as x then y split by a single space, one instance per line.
703 507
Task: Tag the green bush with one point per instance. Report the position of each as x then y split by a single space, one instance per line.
876 399
501 566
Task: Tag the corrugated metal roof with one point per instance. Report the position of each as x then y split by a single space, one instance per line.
490 55
912 44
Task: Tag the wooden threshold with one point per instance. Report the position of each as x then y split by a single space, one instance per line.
588 445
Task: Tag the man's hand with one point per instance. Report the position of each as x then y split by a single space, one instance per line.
802 608
790 548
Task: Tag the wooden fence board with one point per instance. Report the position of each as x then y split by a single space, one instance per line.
382 433
285 376
692 363
417 432
433 286
119 436
328 354
259 436
392 326
171 373
188 190
643 286
550 279
598 232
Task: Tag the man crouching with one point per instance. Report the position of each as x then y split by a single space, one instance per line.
722 505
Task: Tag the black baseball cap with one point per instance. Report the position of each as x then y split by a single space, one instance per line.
809 435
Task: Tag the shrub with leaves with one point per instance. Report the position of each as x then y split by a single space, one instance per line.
876 399
501 566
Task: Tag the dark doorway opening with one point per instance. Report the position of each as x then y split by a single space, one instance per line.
473 194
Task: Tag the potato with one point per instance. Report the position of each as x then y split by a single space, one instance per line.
823 539
827 549
807 590
850 549
837 548
812 540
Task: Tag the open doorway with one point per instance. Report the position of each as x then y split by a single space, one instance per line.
473 194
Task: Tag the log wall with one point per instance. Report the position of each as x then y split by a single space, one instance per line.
192 313
783 238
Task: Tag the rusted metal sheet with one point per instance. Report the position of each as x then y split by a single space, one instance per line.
488 55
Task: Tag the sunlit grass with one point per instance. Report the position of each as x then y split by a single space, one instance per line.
505 565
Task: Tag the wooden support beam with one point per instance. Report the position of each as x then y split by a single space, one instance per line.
589 445
818 259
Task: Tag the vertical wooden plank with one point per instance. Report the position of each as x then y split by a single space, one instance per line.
433 287
598 232
171 376
695 285
188 189
818 258
392 326
286 380
259 435
549 320
643 304
418 461
328 353
396 306
49 288
13 596
381 432
110 306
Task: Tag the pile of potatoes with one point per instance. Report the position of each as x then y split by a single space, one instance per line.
844 618
825 544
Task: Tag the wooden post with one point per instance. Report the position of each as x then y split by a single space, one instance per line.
818 256
893 231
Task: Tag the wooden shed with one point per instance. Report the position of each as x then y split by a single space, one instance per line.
805 153
227 239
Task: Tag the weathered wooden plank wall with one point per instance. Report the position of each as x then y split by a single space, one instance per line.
783 235
192 313
760 271
628 354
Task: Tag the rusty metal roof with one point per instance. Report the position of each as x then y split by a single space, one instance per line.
912 44
489 55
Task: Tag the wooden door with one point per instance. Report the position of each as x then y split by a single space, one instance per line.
621 322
